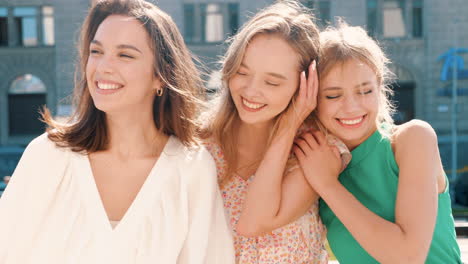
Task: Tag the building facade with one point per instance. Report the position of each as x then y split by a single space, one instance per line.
38 43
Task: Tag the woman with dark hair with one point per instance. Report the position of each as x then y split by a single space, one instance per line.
125 180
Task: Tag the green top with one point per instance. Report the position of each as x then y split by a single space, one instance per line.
372 177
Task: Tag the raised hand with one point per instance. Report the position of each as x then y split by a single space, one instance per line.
320 162
304 102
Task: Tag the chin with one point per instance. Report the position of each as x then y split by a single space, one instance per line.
105 107
252 120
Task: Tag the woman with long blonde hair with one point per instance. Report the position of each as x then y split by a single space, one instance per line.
264 99
391 204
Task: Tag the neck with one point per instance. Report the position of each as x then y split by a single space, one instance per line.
254 137
352 144
134 135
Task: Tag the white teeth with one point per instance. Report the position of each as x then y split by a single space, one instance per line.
108 86
351 122
252 105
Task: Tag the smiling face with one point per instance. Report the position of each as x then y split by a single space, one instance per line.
119 71
266 80
348 101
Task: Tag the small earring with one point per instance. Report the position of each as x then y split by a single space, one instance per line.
159 92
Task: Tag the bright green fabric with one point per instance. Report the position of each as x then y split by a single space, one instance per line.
372 177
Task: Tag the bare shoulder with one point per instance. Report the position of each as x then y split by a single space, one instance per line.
413 133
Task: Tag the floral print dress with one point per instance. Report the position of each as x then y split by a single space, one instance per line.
299 242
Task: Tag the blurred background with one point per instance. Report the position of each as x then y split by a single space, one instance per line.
427 41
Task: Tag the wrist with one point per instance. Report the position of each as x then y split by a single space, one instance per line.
284 132
328 188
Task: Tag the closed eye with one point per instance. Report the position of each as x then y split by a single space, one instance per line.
365 92
272 84
332 96
126 56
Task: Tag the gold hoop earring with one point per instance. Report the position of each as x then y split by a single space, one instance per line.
159 92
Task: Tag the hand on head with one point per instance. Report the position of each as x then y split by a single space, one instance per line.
304 102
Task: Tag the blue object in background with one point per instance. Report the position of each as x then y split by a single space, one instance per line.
447 91
449 57
2 187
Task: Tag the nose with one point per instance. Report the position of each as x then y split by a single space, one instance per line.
105 64
351 104
252 87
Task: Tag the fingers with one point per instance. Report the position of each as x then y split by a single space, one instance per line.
320 137
307 143
303 146
312 83
303 86
299 153
311 140
336 152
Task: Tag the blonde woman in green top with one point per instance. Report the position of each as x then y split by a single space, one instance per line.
391 204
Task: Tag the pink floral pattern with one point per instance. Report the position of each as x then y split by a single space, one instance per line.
300 242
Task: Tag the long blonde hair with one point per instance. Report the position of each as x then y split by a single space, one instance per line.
343 43
287 19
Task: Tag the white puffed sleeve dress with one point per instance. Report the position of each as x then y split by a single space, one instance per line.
51 212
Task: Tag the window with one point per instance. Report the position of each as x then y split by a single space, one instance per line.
48 25
189 22
3 26
324 12
321 10
395 18
372 17
27 94
210 23
25 25
417 18
233 16
32 26
213 23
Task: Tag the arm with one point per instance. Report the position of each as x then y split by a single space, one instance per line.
23 201
409 237
209 238
274 200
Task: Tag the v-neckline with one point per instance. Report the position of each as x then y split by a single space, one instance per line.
95 200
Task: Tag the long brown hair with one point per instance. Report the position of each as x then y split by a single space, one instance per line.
287 19
174 112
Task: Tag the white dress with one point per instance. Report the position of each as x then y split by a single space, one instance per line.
51 212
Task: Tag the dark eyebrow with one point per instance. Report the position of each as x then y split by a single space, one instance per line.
277 75
121 46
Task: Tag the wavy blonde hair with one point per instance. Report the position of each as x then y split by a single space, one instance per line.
343 43
287 19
